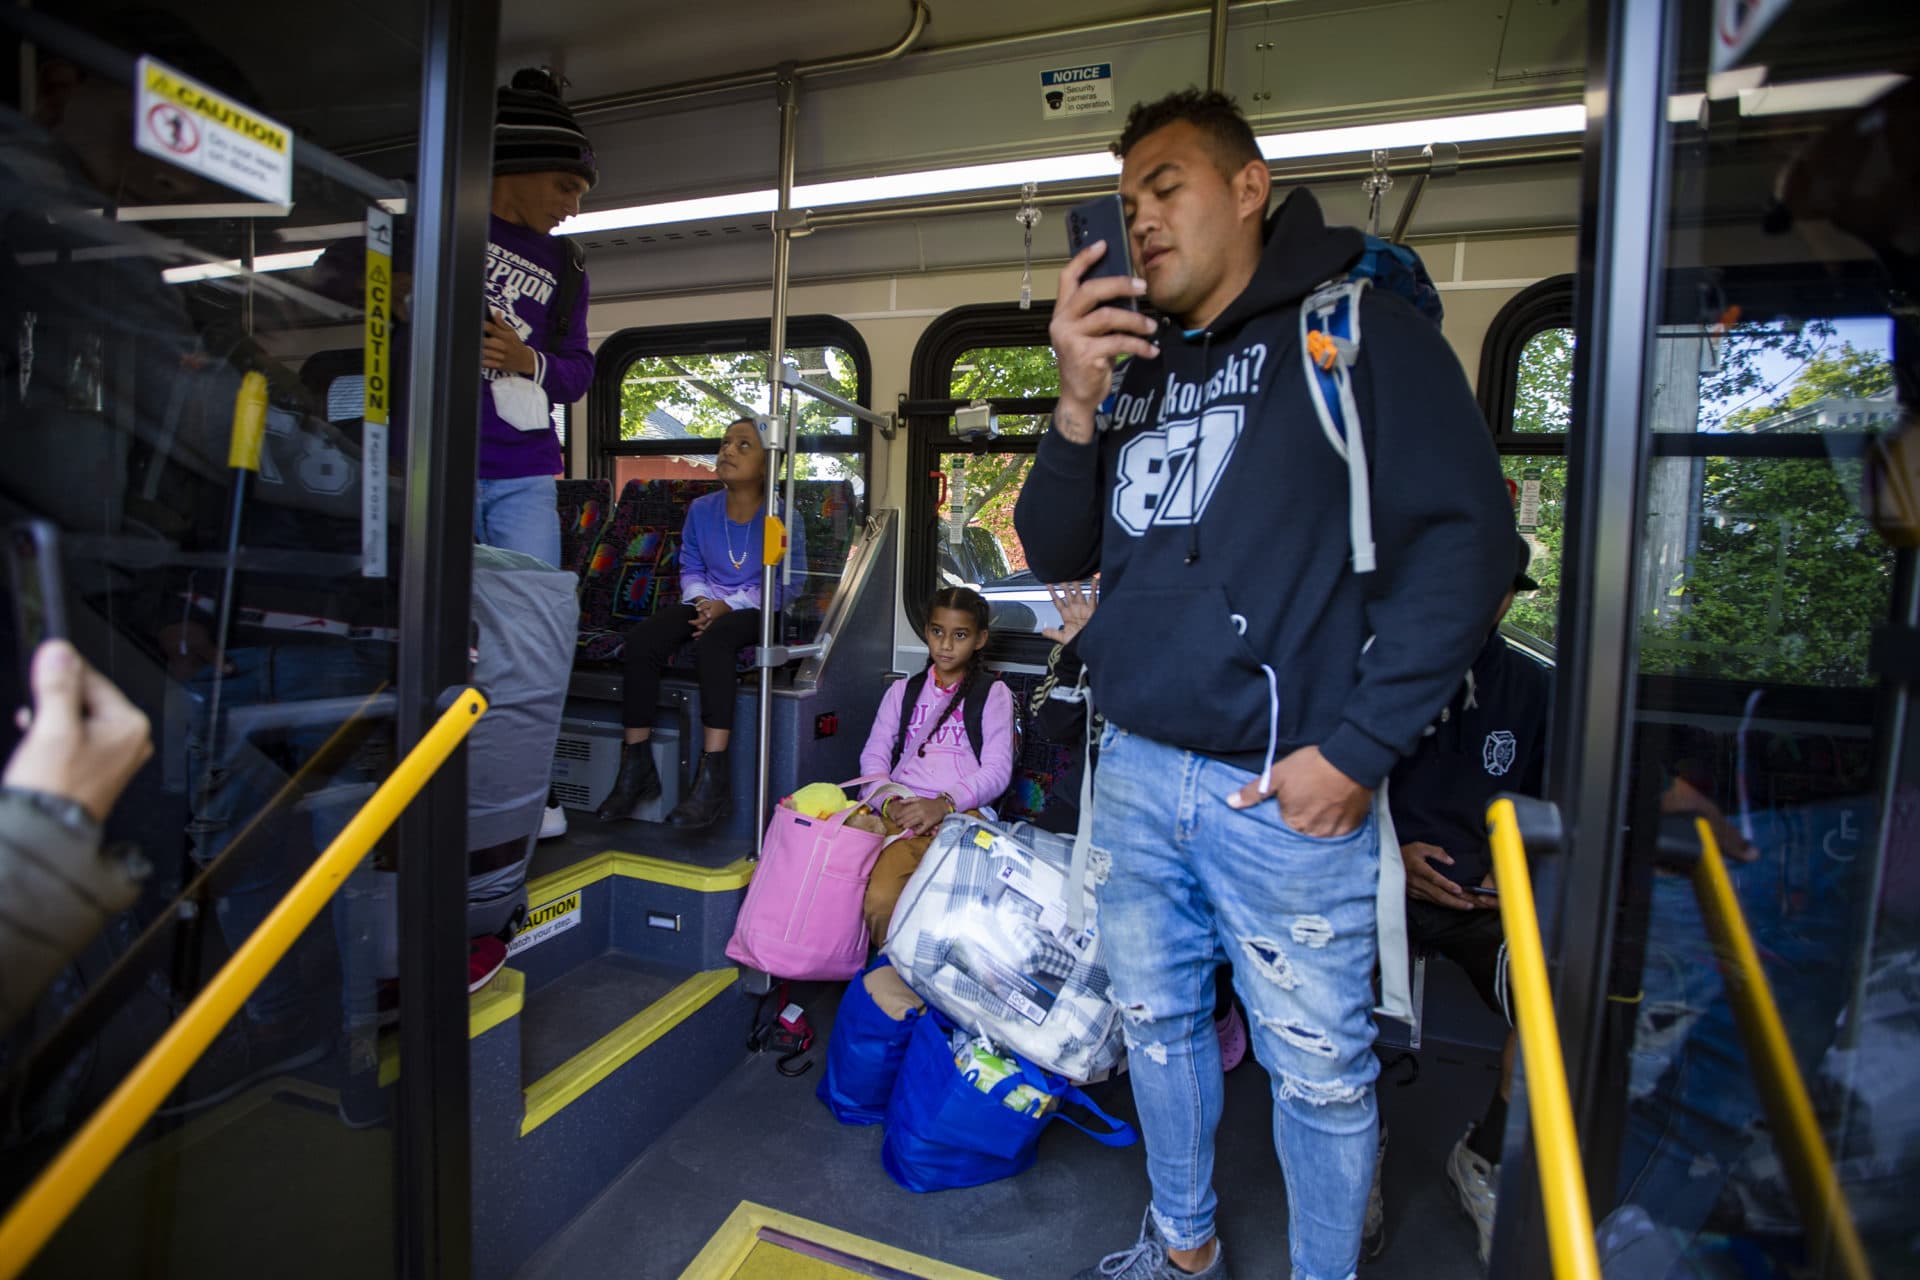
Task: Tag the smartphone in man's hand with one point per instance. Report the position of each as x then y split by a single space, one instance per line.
1103 218
39 589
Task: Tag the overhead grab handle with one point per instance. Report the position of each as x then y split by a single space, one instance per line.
1563 1185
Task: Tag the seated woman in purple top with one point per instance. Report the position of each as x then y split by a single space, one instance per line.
719 610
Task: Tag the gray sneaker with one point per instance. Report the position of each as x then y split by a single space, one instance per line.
1147 1260
1474 1179
1373 1236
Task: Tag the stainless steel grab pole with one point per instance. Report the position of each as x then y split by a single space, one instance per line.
788 89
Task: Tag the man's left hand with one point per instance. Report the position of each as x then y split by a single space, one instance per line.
501 348
1315 798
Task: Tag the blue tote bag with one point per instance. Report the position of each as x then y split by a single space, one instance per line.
943 1131
864 1055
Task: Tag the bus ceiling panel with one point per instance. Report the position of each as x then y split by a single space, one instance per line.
732 253
1536 197
1314 65
607 50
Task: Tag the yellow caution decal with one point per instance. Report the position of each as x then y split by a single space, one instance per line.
379 326
545 921
164 82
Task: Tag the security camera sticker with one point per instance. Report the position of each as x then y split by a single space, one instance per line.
1076 91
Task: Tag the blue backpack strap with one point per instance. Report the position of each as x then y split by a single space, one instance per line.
1329 348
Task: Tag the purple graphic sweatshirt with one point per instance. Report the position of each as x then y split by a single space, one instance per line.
523 275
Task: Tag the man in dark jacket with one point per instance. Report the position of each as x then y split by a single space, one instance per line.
1239 657
1489 738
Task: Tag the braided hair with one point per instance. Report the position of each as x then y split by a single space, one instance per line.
961 600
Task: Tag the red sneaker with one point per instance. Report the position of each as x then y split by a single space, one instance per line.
485 958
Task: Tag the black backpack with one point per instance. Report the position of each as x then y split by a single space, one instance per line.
972 712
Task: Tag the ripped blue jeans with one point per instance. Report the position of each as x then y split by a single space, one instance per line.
1188 884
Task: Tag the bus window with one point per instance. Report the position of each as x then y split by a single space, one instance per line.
1764 568
671 391
1543 409
976 542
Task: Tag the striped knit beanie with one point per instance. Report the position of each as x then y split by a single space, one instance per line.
533 132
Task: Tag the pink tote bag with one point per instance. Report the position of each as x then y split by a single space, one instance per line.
801 918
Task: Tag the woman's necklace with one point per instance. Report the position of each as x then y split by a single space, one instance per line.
726 531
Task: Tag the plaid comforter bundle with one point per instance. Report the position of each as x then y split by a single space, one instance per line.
981 932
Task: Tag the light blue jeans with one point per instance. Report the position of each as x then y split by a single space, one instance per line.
521 514
1189 883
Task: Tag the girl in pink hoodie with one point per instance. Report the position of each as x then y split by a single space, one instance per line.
952 747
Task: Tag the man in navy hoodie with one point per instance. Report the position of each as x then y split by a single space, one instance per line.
1257 689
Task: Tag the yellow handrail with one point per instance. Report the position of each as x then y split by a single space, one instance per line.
73 1173
1563 1186
1809 1168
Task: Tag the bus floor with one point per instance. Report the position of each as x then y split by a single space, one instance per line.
586 835
763 1138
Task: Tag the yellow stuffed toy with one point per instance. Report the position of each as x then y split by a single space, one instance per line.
819 800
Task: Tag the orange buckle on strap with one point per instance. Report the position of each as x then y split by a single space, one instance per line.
1321 350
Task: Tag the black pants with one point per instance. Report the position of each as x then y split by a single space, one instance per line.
653 642
1473 940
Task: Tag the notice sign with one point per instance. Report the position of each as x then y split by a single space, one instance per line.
547 921
1076 91
183 122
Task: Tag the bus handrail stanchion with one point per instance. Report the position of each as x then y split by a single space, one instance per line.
787 90
38 1213
1563 1186
1833 1242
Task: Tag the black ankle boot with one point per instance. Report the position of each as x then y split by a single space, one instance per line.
638 783
711 793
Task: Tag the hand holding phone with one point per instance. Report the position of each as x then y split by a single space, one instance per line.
1104 218
84 741
1096 315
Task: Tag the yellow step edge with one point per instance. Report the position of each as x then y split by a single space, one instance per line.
487 1008
733 1248
548 1096
638 866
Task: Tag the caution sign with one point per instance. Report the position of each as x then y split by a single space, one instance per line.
183 122
547 921
1076 91
379 393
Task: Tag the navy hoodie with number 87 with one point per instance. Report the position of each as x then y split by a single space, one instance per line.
1215 510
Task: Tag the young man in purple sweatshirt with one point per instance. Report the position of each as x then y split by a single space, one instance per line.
534 354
